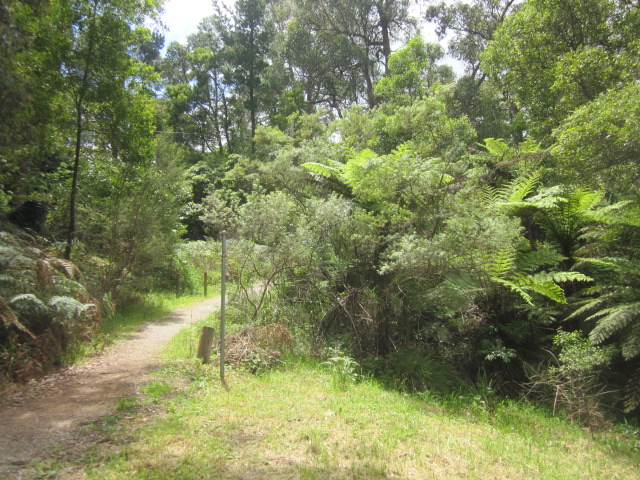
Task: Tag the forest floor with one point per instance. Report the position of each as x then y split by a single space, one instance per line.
46 417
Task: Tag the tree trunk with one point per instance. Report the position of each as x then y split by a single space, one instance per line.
79 128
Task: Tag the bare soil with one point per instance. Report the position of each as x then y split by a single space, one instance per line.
47 417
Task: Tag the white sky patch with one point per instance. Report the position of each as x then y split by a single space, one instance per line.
182 17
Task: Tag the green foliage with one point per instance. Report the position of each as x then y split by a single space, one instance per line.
409 370
412 71
190 261
552 70
597 145
42 312
572 383
344 369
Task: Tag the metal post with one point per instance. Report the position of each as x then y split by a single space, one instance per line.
223 287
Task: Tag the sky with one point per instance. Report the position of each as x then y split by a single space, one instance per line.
183 16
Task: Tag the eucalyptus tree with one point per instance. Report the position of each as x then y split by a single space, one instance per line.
356 33
471 25
249 41
98 75
196 89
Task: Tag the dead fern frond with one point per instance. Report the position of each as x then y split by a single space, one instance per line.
8 316
45 273
66 267
632 392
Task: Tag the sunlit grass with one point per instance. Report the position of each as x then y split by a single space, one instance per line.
295 423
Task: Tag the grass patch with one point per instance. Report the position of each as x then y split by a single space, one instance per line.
296 423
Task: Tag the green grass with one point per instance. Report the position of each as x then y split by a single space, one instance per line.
295 423
305 421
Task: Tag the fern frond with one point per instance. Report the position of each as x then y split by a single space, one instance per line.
560 277
616 214
503 263
353 169
12 283
535 259
8 316
68 307
613 320
517 190
28 302
588 307
546 288
495 146
322 169
614 264
631 345
514 287
582 200
488 195
66 267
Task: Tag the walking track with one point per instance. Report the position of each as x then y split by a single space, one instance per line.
48 417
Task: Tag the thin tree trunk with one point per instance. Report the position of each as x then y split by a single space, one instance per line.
252 106
79 128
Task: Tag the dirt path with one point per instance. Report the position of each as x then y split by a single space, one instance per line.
50 415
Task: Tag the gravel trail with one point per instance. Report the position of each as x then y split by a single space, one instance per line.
47 417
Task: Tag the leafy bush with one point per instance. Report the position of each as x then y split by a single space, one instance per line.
572 383
343 368
190 261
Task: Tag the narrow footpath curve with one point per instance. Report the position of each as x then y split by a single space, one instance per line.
50 415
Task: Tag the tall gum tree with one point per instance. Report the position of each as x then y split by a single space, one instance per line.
368 26
96 67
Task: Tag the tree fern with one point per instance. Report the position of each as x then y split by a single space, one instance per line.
329 170
613 320
535 259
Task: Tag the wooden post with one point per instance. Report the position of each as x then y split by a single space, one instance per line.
206 342
205 284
